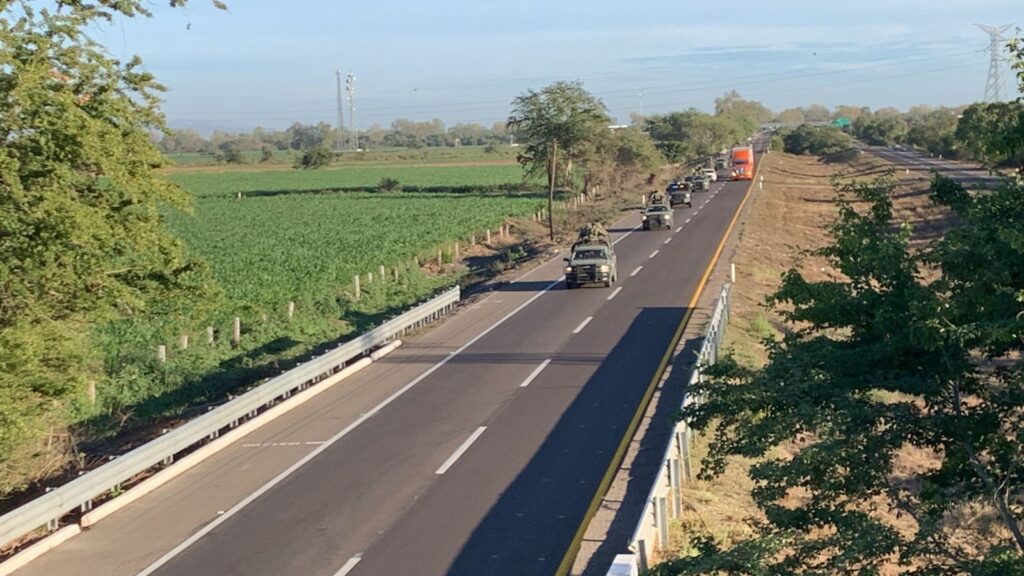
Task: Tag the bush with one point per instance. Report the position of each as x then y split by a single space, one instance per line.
816 140
389 185
314 158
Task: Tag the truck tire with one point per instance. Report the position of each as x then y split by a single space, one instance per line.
608 283
570 285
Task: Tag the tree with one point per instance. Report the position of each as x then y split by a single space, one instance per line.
993 132
880 361
881 129
750 111
314 158
230 153
82 239
560 117
817 140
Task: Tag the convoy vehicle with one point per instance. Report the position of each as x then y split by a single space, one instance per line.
657 214
591 259
743 163
721 163
679 193
710 173
699 181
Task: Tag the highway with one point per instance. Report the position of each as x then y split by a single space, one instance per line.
970 175
474 449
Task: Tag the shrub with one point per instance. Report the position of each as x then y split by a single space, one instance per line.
387 184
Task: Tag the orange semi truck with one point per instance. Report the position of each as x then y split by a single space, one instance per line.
743 163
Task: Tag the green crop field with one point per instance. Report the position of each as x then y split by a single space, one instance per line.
272 182
267 250
403 156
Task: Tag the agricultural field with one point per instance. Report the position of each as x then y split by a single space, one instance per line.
267 250
376 156
461 178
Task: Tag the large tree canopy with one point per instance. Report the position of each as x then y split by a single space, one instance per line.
81 238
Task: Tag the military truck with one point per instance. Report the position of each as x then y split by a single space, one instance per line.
591 259
658 213
679 193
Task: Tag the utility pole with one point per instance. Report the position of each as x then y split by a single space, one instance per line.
996 44
350 89
339 141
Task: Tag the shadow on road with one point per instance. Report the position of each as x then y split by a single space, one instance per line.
531 526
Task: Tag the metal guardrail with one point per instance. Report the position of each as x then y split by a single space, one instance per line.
664 499
47 509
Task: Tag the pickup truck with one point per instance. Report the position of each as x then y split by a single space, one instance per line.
710 173
591 259
657 216
679 193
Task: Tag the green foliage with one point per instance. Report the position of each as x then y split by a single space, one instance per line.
314 158
266 154
880 361
684 136
934 132
388 184
993 133
230 153
562 118
880 129
352 177
750 113
816 140
82 242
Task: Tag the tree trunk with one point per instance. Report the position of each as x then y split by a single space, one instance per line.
551 189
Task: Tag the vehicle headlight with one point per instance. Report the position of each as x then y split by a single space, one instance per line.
605 268
643 217
568 269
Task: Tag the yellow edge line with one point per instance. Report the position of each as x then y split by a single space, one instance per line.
570 555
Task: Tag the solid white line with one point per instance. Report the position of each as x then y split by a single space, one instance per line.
462 450
667 240
637 271
614 293
344 432
583 325
349 565
536 372
653 254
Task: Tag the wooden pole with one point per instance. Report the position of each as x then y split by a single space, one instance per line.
91 392
236 331
488 235
291 309
161 353
209 334
551 189
183 342
383 275
356 282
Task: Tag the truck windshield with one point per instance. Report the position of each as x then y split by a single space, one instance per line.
595 254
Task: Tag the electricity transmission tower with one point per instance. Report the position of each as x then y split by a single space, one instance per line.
996 58
350 89
339 140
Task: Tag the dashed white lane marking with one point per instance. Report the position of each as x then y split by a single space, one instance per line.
667 240
341 434
614 293
348 566
583 325
635 272
536 372
461 450
680 229
687 220
653 254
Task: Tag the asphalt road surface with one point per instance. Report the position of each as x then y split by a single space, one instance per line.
473 450
971 176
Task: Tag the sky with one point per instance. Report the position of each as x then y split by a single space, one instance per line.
271 62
